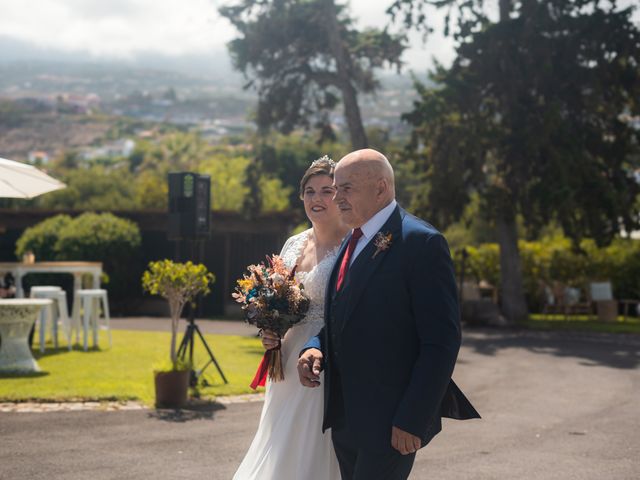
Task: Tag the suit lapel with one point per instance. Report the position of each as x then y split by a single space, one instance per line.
366 264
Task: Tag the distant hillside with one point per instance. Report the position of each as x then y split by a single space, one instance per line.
108 80
51 133
215 66
202 93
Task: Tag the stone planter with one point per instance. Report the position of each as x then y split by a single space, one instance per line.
171 388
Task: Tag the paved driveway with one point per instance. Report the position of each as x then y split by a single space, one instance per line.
554 405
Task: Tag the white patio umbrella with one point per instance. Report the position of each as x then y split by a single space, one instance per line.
20 180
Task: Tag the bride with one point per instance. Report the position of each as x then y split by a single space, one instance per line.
289 443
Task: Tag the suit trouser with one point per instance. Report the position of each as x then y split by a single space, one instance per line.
355 462
362 464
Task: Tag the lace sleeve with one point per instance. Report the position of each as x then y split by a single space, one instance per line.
292 248
286 246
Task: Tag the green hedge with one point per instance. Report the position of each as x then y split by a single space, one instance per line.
554 260
90 237
41 239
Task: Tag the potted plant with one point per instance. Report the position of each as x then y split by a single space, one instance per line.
178 283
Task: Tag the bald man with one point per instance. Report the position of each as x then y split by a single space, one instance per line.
392 332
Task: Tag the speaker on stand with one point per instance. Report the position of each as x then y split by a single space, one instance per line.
189 206
189 226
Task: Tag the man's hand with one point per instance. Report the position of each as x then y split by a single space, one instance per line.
309 367
403 441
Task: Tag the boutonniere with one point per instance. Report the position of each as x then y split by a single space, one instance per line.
382 242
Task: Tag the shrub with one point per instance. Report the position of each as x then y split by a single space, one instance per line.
624 268
483 263
108 239
41 239
93 236
556 260
90 237
178 283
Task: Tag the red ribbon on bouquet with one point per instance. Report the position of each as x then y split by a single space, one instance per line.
260 378
270 366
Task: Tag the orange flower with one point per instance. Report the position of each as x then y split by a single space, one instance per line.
382 242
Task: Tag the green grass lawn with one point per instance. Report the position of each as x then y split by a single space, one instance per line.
582 323
125 372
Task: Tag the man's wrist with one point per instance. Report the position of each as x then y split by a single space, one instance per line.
314 342
304 350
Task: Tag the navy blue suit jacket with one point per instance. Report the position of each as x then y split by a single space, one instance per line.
399 339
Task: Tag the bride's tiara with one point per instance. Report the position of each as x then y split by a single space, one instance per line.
323 160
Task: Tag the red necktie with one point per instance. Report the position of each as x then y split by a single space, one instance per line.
346 260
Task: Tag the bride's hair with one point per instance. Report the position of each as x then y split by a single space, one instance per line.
322 166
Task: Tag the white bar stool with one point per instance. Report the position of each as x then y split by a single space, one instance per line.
56 313
88 300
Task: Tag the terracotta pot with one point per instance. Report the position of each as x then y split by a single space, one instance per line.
171 388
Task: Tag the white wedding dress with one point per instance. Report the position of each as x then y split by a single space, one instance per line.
289 443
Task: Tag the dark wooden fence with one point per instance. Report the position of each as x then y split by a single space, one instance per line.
235 242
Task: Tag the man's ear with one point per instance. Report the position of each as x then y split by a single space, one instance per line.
382 188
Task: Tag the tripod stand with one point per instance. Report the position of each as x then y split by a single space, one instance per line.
188 341
190 224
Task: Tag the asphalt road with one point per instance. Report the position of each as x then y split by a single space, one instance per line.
554 405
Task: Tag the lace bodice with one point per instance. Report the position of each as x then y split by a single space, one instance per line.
315 280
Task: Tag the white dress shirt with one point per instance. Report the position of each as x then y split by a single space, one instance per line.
372 227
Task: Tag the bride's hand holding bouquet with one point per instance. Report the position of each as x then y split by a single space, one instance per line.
270 340
272 300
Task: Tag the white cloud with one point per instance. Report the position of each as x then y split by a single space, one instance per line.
124 28
119 28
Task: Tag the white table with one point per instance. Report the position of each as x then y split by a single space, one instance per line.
77 269
17 316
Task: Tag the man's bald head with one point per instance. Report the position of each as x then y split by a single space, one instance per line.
372 164
364 181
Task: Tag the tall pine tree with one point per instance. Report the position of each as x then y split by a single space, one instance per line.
304 57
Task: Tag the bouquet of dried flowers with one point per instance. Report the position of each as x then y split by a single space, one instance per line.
272 299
